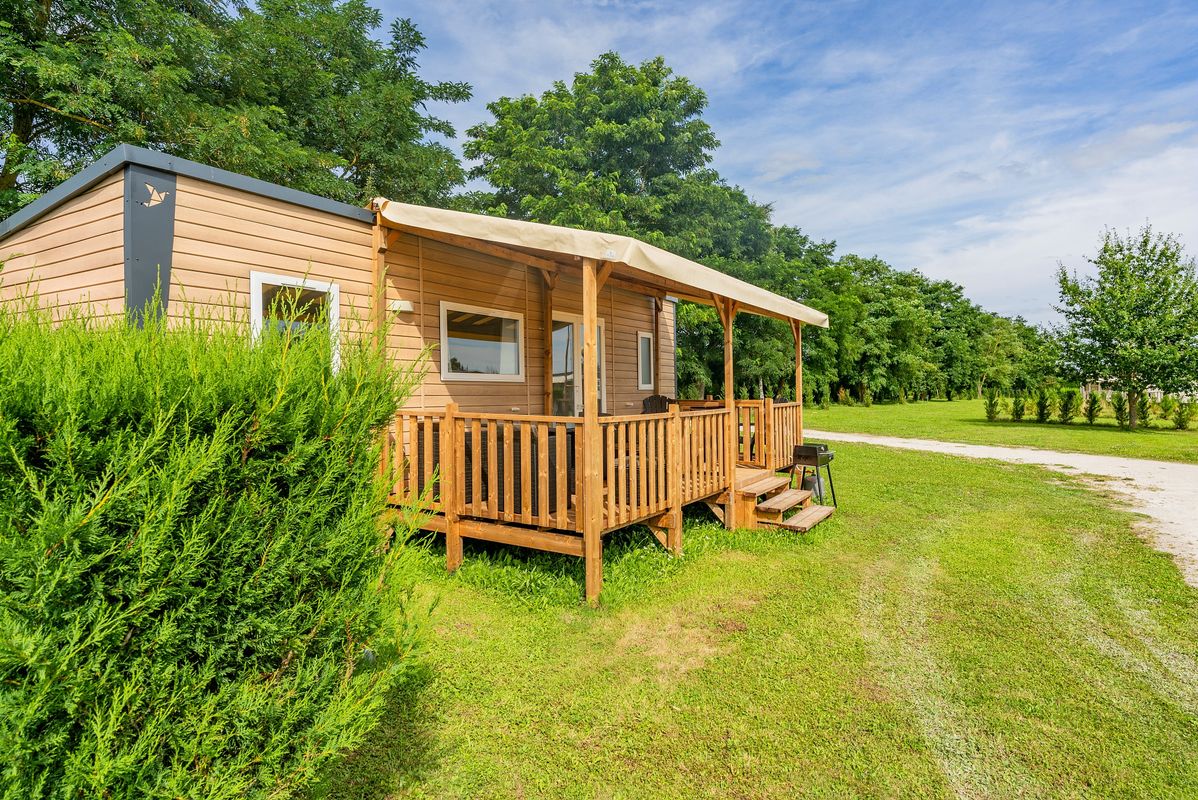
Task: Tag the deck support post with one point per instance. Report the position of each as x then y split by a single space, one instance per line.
448 492
592 466
796 328
727 309
674 481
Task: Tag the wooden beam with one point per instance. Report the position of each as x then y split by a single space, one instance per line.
378 279
656 346
448 492
548 283
592 510
674 481
605 268
796 327
728 317
481 246
522 537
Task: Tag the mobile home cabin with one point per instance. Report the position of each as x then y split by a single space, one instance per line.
511 434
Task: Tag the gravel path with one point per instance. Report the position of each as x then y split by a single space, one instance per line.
1165 491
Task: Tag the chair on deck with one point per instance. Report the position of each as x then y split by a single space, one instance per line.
655 404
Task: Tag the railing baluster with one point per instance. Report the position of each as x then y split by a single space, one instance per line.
543 472
563 498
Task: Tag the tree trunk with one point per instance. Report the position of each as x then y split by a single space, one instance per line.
22 129
1133 411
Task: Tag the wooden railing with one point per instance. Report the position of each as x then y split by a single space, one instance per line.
413 448
636 457
704 468
524 469
785 431
752 427
514 468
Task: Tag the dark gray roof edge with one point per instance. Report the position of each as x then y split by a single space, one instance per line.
123 154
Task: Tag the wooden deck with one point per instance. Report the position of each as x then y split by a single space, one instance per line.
516 479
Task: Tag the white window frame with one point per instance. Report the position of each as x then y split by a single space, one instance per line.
258 280
640 337
446 375
576 319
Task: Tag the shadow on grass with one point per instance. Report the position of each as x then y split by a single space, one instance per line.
401 752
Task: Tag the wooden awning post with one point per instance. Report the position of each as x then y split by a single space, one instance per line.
592 466
796 327
727 309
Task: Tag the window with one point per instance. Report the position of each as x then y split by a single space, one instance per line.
481 344
644 360
282 302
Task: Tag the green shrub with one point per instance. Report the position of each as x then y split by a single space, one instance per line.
198 596
1143 408
867 397
1183 414
1119 406
1067 408
1168 404
1018 406
1093 407
843 398
1045 405
992 402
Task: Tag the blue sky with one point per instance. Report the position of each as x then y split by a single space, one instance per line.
977 142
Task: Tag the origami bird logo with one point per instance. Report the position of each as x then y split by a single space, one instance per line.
156 197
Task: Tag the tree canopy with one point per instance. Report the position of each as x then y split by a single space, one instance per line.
298 93
622 148
1134 325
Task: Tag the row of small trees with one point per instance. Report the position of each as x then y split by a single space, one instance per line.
1064 406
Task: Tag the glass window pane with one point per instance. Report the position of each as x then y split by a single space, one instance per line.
646 360
293 308
481 344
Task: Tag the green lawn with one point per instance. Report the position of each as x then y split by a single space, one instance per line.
965 421
959 628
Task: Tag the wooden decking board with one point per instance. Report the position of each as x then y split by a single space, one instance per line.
763 485
785 501
808 518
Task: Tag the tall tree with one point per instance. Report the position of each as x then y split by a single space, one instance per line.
622 148
1133 326
298 93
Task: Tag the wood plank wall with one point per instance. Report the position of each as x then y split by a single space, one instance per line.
427 272
222 234
74 256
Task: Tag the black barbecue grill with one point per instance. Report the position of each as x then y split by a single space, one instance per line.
813 457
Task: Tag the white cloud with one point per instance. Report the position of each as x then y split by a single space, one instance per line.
977 143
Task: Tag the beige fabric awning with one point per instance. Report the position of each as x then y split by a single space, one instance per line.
553 239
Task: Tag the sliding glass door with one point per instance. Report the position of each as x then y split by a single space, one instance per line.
567 366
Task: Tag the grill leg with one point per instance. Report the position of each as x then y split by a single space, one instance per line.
831 486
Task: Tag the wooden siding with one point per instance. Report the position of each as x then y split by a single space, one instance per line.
427 272
74 256
223 234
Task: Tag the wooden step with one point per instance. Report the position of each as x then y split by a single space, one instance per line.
808 518
785 501
764 485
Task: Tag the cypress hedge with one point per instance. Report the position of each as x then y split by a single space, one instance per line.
200 593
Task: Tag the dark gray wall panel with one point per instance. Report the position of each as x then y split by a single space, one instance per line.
149 237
